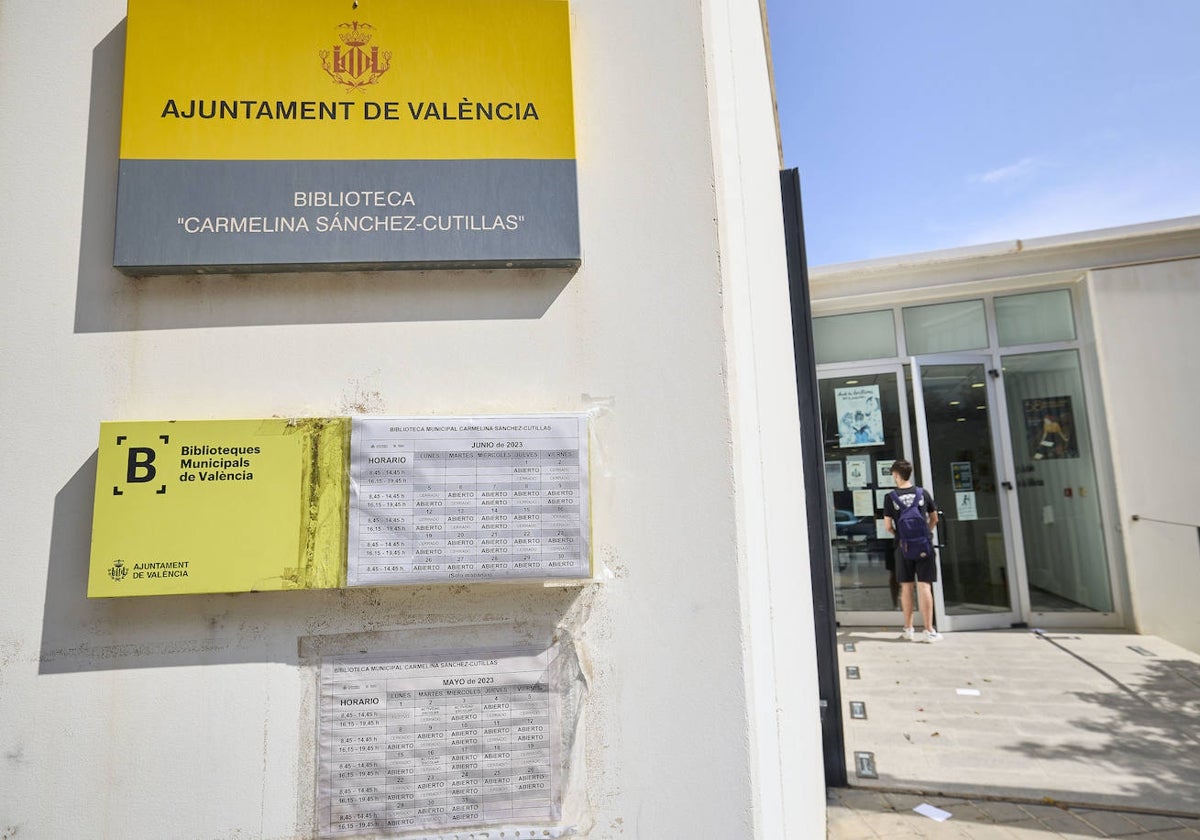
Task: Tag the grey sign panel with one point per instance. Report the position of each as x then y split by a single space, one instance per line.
864 765
176 216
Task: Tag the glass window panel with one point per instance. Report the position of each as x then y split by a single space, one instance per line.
1035 318
863 434
854 337
1059 502
945 327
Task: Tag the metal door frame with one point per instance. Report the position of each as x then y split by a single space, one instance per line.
1018 596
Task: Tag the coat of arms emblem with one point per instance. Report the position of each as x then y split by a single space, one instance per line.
118 571
355 63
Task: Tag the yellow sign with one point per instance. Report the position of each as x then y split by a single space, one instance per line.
219 506
319 80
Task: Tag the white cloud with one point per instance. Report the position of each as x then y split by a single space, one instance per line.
1118 195
1014 171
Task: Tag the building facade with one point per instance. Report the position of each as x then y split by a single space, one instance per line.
194 716
1041 387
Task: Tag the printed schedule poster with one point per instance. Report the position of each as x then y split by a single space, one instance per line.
441 499
411 743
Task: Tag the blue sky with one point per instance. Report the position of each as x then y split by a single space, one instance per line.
938 123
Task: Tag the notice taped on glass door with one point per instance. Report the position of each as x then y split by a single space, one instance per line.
453 499
430 742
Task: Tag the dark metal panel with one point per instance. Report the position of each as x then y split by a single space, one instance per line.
820 562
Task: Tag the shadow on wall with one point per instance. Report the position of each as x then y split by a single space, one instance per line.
80 635
108 301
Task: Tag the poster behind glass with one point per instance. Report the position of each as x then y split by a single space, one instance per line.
860 418
1050 427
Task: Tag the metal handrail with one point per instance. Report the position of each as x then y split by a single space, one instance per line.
1139 518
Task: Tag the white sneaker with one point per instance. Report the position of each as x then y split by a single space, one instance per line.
933 636
907 634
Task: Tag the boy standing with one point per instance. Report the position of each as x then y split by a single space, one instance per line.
922 568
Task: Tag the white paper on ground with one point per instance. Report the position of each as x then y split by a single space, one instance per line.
969 692
927 810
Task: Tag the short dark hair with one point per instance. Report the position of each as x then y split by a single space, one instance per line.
903 469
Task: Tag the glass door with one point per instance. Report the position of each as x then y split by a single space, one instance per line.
1066 563
864 420
958 431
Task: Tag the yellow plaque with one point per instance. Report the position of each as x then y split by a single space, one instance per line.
299 135
219 506
319 80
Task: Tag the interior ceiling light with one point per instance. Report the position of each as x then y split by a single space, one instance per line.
953 402
851 381
981 408
976 384
962 419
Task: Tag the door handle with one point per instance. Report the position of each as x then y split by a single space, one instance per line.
1007 485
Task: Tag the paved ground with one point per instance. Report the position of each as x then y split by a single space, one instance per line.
1072 734
857 814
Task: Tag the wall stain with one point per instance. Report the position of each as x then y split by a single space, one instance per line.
359 399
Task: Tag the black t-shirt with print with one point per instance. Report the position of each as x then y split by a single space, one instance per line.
907 496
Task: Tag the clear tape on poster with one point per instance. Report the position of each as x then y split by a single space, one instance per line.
350 682
476 498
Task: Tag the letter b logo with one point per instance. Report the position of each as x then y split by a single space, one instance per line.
140 467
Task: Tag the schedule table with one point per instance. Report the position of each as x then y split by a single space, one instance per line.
433 742
468 498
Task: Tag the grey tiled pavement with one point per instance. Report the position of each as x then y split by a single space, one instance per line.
859 814
1021 735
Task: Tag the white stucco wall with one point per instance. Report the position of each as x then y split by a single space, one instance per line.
191 717
1145 321
771 497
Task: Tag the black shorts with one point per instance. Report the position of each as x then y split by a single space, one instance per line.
909 570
